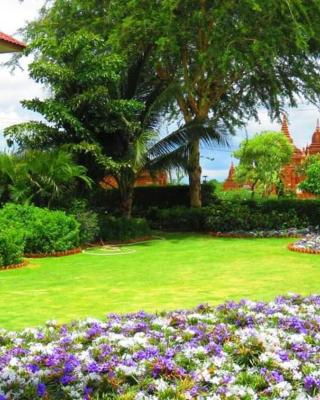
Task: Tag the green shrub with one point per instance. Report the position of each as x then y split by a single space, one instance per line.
11 246
146 197
88 221
44 231
178 219
226 217
112 228
304 209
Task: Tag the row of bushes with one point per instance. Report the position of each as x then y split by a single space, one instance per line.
149 196
227 217
33 230
28 229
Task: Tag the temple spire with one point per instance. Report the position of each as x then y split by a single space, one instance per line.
285 127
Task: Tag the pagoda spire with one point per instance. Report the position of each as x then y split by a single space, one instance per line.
231 171
285 127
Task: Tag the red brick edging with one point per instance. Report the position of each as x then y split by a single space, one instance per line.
292 247
14 266
244 236
55 254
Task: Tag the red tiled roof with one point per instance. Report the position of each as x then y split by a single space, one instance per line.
11 40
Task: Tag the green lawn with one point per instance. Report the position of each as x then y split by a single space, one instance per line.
181 271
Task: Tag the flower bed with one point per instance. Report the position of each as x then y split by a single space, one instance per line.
283 233
242 350
308 244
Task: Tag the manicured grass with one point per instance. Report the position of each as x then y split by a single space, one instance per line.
179 272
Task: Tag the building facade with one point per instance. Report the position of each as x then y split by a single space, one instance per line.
144 179
290 176
10 45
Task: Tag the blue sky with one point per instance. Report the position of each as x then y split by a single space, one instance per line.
18 86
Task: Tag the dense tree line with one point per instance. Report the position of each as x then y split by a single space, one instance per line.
118 70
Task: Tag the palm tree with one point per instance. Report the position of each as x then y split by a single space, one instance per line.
177 148
40 177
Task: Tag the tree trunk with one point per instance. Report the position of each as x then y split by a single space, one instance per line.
126 198
194 171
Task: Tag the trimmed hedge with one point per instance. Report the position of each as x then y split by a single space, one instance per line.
146 197
181 219
227 217
304 209
43 230
122 229
11 247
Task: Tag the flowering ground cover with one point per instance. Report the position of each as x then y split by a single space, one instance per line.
245 350
309 242
179 272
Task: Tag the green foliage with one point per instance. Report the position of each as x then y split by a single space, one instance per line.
11 246
40 177
87 219
262 159
233 216
102 106
44 231
230 195
120 229
146 197
227 216
179 219
312 171
257 65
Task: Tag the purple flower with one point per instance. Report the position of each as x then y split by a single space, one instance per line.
41 390
311 383
33 368
87 393
66 379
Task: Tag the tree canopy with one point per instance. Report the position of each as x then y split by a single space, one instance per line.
217 61
312 175
225 59
261 160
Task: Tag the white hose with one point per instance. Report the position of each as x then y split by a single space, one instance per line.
116 249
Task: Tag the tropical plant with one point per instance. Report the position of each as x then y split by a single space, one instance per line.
40 177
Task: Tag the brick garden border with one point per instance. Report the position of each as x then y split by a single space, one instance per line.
55 254
292 247
14 266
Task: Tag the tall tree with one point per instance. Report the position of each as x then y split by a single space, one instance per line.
262 159
100 106
225 59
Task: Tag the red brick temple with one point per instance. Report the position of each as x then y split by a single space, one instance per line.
290 177
230 183
144 179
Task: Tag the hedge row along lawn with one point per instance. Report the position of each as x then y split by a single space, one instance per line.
180 272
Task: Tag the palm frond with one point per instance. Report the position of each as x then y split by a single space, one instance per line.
175 159
207 131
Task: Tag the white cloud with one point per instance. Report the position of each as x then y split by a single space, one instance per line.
218 174
16 86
